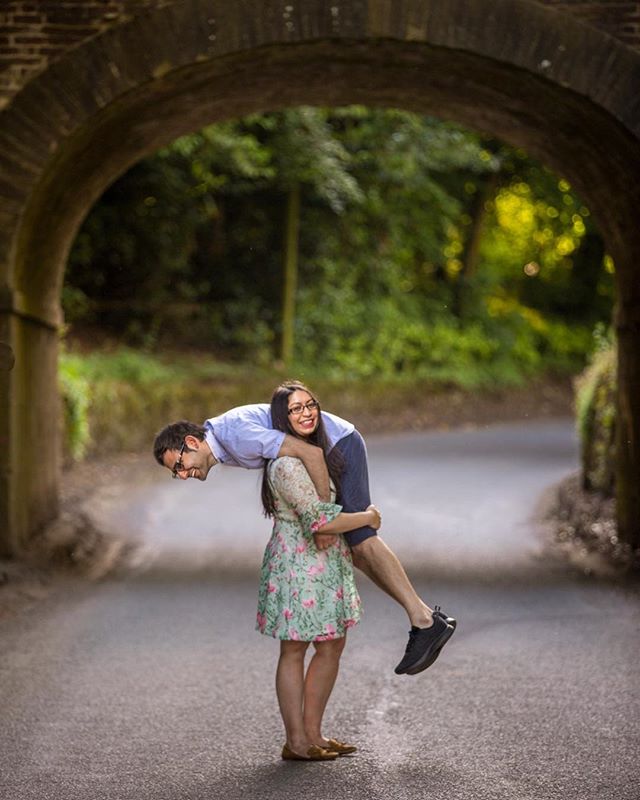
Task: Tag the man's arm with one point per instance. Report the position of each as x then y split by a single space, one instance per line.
313 459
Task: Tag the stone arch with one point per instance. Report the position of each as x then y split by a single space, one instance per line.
525 73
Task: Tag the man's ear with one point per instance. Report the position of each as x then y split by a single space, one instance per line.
192 442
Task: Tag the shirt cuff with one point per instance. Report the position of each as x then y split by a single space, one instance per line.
272 444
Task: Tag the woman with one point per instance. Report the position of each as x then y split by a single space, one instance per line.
306 595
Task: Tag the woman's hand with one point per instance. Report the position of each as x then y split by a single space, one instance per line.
324 540
376 517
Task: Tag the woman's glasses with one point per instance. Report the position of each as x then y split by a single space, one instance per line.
298 408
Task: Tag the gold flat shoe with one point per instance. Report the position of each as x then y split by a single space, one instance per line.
341 748
314 753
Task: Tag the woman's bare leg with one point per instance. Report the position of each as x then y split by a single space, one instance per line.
318 683
290 692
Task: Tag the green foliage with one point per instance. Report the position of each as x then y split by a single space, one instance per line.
424 249
595 412
506 345
540 243
133 395
115 401
76 400
127 366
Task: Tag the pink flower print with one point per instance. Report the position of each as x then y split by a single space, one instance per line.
300 548
285 549
271 587
293 634
287 613
318 523
325 637
315 569
349 623
295 594
340 594
331 631
262 621
293 574
309 603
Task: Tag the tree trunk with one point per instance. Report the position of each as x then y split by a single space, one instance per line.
292 228
471 252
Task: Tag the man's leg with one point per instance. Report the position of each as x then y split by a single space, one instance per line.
370 553
380 564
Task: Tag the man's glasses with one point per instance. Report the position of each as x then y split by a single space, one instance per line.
298 408
178 466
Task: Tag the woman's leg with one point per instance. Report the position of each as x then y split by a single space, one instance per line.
290 691
318 683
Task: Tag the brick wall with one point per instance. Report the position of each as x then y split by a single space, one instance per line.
35 32
618 19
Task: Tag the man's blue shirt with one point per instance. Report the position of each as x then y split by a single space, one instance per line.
243 436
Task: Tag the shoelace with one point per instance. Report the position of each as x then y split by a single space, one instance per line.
413 634
410 643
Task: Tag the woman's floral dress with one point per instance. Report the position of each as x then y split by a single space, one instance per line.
305 594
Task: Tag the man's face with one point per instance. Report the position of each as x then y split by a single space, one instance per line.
195 461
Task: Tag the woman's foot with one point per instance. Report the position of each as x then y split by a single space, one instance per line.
312 753
336 746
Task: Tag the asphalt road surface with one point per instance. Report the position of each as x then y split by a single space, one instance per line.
156 685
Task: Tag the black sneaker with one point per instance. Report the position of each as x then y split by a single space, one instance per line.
437 612
424 646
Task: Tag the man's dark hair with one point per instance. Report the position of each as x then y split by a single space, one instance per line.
172 437
280 422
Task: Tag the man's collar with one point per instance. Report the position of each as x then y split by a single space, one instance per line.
219 453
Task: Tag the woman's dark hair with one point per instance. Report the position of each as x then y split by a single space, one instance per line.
280 422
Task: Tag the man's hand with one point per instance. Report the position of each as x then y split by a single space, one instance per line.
324 540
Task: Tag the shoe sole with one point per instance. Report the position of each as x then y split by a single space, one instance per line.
427 661
331 755
451 622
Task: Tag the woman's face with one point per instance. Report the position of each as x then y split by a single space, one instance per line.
303 413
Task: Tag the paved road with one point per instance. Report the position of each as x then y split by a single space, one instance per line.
454 503
156 686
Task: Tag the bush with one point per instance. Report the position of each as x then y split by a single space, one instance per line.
506 346
596 418
116 401
76 400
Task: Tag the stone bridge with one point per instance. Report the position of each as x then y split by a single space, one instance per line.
88 88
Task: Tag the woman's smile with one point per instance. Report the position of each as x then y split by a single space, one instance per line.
303 420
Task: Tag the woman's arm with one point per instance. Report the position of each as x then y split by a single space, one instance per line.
323 520
313 459
345 522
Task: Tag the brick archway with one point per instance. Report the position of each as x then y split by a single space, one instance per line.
536 78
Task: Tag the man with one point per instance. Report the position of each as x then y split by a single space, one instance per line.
243 437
